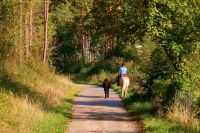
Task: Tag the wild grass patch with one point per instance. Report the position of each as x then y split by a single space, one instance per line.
56 119
185 115
151 122
17 114
34 99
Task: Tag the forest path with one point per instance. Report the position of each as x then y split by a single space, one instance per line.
92 113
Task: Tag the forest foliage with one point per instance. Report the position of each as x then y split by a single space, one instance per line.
158 39
32 95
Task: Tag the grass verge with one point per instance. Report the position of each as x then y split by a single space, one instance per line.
56 119
146 113
34 99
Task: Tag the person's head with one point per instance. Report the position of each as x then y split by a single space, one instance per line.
123 64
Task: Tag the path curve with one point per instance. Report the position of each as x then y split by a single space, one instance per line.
92 113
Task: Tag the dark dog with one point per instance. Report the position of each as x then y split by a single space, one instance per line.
106 86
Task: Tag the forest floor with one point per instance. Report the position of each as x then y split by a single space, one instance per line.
92 113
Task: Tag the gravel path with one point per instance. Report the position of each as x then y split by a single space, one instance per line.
92 113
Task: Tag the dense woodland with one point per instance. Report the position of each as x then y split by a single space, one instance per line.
159 41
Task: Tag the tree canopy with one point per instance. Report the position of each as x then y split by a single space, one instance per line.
158 39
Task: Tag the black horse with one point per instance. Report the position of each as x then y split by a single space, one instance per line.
106 86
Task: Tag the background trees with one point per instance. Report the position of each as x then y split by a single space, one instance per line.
21 29
158 39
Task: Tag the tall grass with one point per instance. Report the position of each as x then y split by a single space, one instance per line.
185 115
34 99
17 114
151 121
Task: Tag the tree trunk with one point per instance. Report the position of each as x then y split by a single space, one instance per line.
112 43
105 45
83 47
15 36
172 59
46 8
20 32
26 33
89 48
30 29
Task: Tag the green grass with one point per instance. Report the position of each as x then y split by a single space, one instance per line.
51 122
5 107
144 111
56 119
35 99
53 119
155 124
152 123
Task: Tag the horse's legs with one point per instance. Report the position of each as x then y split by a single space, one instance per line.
124 87
127 86
122 93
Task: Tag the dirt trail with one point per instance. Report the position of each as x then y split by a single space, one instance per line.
92 113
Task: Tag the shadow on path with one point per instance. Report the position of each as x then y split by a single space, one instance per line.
102 116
